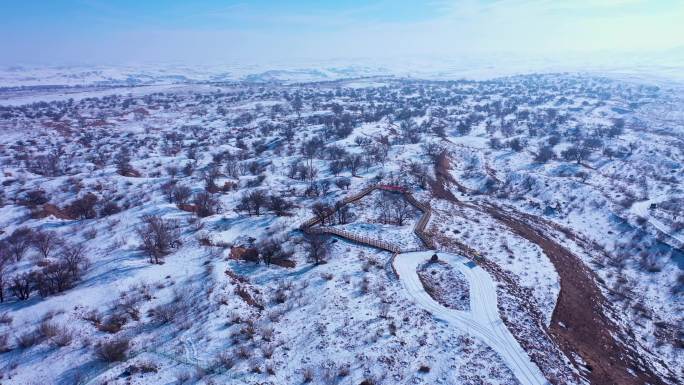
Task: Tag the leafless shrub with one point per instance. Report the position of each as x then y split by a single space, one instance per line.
4 343
384 310
143 367
234 318
110 208
46 242
33 198
166 313
158 236
128 304
58 276
267 350
267 333
225 360
48 329
308 374
18 242
243 352
83 207
364 285
21 287
112 324
248 332
281 293
5 318
328 374
63 338
90 234
205 204
94 317
255 365
112 350
183 377
274 316
392 328
28 339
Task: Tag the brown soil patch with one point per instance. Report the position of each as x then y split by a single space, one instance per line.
49 209
287 263
528 325
579 323
244 254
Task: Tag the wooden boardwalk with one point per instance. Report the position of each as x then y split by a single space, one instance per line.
310 227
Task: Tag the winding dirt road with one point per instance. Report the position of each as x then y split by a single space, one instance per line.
579 324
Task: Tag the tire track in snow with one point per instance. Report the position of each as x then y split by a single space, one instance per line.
482 321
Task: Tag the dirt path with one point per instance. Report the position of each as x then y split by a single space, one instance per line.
579 323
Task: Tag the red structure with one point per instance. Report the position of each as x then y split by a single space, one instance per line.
392 188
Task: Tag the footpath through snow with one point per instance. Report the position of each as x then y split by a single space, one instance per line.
482 321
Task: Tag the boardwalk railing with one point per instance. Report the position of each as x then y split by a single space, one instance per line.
357 238
418 229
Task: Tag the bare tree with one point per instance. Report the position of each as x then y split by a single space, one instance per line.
84 207
253 202
353 162
181 194
297 104
271 250
5 258
73 256
343 183
205 204
336 167
401 211
278 205
158 236
19 241
21 286
577 153
545 154
342 212
45 242
322 211
316 247
310 149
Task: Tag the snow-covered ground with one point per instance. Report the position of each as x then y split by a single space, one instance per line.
482 320
156 143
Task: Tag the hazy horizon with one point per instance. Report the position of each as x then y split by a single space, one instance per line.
91 32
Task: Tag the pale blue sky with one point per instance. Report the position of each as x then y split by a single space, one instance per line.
214 31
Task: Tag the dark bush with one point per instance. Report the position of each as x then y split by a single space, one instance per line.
158 236
112 350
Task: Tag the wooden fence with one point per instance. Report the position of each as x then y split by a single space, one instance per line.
418 229
357 238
